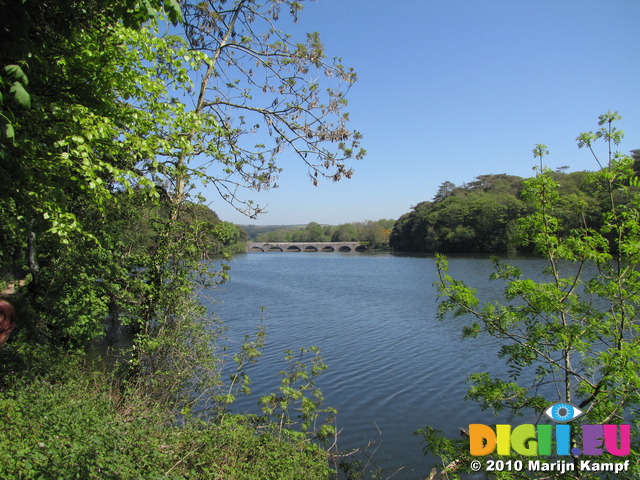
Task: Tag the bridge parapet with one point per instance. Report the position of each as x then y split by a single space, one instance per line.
341 247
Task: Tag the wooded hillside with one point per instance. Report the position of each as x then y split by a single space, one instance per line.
480 216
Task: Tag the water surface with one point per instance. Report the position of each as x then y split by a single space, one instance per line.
393 366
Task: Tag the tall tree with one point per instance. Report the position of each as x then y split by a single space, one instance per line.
265 91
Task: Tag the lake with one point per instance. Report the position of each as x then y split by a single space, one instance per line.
393 366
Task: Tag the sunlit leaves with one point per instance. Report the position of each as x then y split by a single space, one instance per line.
20 95
7 132
13 94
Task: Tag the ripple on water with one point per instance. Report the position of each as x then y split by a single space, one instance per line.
393 367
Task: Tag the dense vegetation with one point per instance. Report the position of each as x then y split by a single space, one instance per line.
374 234
483 215
113 116
213 237
74 424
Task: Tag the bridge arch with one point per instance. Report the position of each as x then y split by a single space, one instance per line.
342 247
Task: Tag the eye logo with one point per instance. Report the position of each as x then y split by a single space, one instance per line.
563 412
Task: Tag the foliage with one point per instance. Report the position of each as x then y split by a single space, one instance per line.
30 27
482 216
78 68
109 123
477 217
568 337
210 235
62 212
299 393
77 424
239 380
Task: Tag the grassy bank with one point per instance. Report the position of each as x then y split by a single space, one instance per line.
79 421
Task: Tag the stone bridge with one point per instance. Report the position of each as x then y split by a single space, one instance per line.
342 247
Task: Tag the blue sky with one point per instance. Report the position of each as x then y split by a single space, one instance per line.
452 89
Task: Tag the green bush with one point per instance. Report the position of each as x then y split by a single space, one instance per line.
80 425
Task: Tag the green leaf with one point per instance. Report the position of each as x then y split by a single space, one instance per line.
150 10
14 72
172 7
6 130
20 95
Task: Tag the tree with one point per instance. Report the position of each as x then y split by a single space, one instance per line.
444 190
31 28
635 154
101 105
375 234
263 90
98 137
315 233
345 233
240 93
62 166
476 218
577 335
410 230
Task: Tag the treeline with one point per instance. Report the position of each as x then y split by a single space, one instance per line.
481 216
372 233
